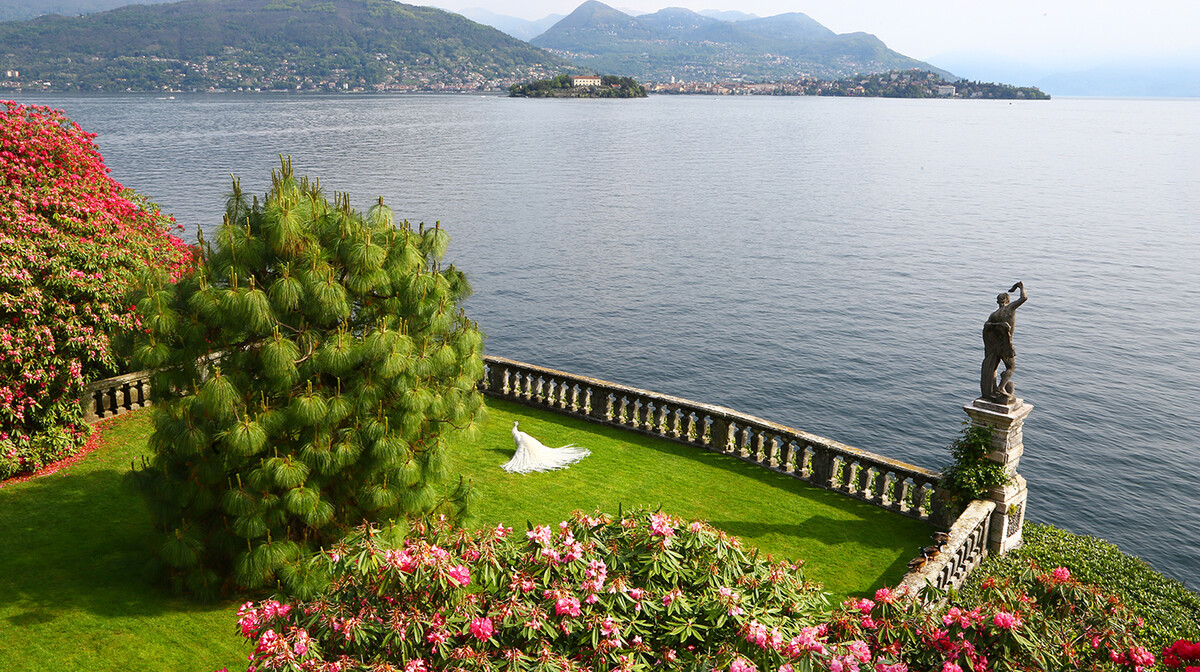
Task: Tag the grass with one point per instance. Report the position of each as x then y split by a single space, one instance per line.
72 594
849 546
73 544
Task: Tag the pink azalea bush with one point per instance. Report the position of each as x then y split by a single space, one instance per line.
1039 622
1182 655
592 593
644 592
71 241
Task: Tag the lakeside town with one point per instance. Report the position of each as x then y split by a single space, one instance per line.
213 75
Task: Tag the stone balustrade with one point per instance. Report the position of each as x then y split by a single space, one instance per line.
966 547
896 486
114 396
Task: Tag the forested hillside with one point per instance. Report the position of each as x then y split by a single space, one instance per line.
267 44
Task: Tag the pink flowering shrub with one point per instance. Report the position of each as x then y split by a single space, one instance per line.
592 593
634 596
1038 622
1182 655
71 240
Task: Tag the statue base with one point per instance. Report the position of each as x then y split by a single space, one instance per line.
998 406
1006 421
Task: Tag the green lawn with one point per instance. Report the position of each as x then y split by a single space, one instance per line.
850 546
72 594
73 544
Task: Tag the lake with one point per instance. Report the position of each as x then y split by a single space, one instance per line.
824 263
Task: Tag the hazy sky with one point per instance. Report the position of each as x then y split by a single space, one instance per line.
1047 32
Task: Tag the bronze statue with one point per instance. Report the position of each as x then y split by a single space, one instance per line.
998 347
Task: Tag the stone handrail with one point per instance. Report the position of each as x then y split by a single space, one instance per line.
966 548
893 485
114 396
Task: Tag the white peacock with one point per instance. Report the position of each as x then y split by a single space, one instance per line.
532 455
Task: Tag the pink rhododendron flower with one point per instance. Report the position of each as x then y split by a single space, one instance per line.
1061 574
1140 657
540 534
1005 620
843 664
740 664
951 667
805 642
482 628
660 525
859 650
459 575
567 605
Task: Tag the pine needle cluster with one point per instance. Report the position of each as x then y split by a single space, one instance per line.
308 374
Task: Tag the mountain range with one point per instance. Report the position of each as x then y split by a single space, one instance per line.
269 44
683 44
522 29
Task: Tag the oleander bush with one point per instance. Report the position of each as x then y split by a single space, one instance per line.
71 243
1168 609
309 371
647 591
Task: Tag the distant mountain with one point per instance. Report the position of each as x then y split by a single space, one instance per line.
1160 77
268 44
686 45
522 29
727 15
1128 80
20 10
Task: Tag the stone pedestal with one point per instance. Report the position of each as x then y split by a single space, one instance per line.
1005 421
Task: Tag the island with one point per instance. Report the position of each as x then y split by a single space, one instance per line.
579 86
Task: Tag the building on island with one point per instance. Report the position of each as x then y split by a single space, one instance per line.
586 80
946 89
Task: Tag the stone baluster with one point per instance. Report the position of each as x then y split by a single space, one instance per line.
822 467
719 439
660 418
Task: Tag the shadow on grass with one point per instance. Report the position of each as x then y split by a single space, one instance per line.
78 541
831 532
828 531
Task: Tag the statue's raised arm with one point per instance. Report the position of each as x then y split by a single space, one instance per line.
998 347
1024 294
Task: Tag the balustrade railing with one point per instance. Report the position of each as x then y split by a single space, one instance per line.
897 486
966 547
114 396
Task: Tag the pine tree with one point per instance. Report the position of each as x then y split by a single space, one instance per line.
308 374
